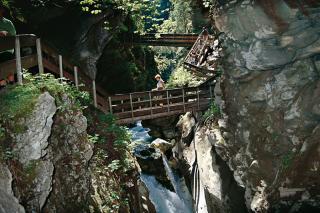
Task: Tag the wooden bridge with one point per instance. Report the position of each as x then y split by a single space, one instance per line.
171 40
126 107
132 107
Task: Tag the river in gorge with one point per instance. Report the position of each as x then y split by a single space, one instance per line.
164 200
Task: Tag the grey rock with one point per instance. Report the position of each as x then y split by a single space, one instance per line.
32 144
8 202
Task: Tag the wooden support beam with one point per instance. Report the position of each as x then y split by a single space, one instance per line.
110 104
183 99
18 60
131 105
39 56
150 99
76 80
198 94
168 102
60 67
94 91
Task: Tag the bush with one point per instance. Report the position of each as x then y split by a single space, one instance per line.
213 111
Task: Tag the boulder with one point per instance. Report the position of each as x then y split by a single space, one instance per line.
8 202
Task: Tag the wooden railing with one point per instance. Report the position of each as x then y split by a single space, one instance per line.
47 59
154 104
196 53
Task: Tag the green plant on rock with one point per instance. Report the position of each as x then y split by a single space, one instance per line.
213 111
114 165
287 159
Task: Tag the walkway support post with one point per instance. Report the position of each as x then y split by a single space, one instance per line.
18 60
168 102
60 67
39 56
76 80
110 105
94 91
198 95
183 99
150 100
131 105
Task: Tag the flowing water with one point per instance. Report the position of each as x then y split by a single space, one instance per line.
164 200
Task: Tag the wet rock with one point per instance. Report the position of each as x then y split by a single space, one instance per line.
160 144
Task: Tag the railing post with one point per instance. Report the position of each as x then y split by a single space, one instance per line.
150 99
110 104
18 60
131 105
94 91
168 102
122 109
60 67
76 80
198 93
39 54
183 99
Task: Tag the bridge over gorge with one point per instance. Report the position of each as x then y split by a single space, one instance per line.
165 39
126 107
147 105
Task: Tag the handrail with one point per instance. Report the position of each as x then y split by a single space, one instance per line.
46 57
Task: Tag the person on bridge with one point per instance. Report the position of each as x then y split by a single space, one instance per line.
160 83
6 29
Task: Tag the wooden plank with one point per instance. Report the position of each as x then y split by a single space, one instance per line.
94 93
18 60
39 56
76 80
60 66
8 42
9 67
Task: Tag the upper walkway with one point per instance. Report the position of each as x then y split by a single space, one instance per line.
171 40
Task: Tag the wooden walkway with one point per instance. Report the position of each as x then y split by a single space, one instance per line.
198 54
147 105
127 108
171 40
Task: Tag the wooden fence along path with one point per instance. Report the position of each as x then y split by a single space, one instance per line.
46 58
126 107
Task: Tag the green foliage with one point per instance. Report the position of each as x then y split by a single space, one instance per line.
182 77
142 12
213 111
287 159
93 138
114 165
19 101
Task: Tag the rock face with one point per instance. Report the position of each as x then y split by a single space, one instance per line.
8 202
270 102
211 181
50 161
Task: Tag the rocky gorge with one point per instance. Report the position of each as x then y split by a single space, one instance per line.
256 149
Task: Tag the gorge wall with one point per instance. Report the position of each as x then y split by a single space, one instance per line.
268 133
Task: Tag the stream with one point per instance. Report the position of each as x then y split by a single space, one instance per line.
164 200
